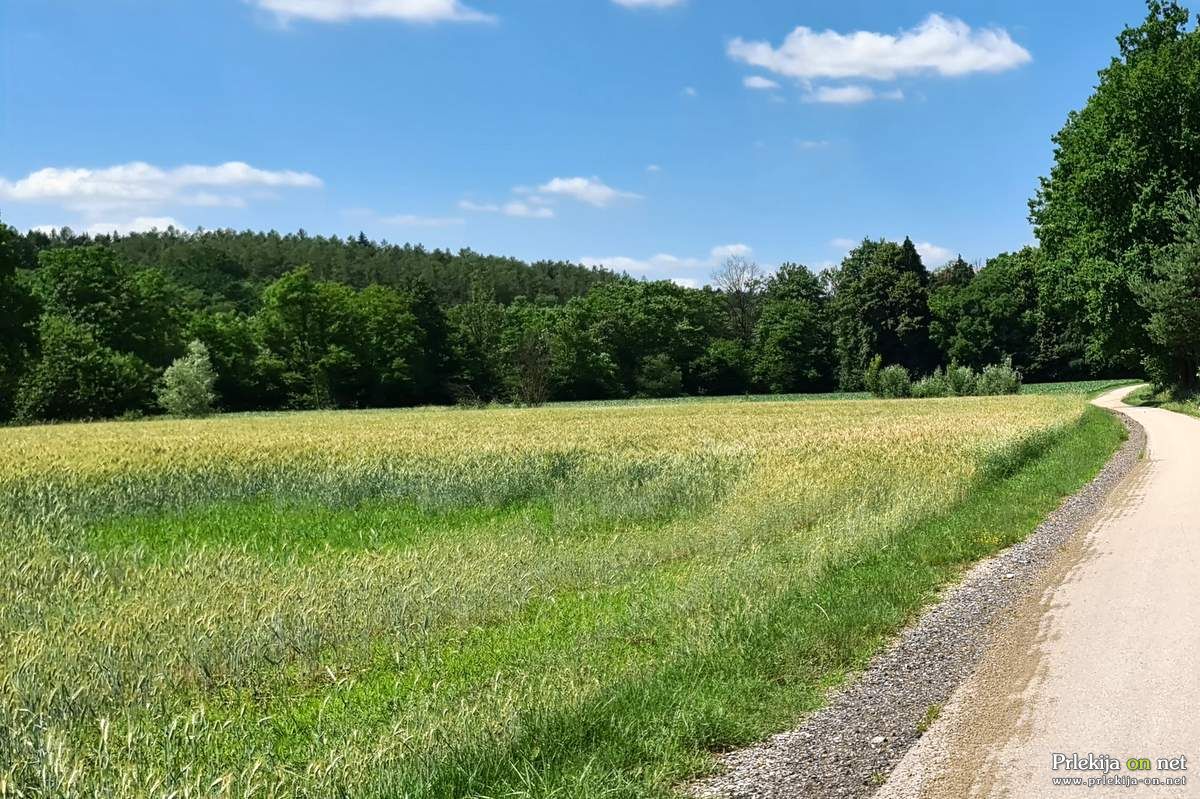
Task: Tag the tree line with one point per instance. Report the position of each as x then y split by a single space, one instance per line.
89 324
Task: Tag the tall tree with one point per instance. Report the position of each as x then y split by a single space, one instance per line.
1172 302
880 306
741 281
1123 165
18 315
793 345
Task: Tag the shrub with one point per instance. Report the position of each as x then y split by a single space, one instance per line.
999 378
962 381
659 377
894 382
935 385
871 376
186 387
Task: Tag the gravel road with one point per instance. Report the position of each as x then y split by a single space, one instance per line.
848 748
1104 661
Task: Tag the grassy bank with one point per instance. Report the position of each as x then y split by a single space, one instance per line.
576 602
1149 398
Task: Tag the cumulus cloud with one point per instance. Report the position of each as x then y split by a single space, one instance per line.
423 11
144 186
850 95
931 254
690 91
653 168
685 271
940 45
515 208
141 224
759 82
592 191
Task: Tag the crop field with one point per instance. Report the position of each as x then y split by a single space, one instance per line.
564 601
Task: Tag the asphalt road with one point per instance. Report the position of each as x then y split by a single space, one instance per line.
1103 661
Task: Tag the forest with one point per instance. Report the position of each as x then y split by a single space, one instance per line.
1112 288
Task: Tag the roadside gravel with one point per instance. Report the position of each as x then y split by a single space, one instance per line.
848 748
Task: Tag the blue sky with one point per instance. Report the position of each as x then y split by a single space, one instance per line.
651 135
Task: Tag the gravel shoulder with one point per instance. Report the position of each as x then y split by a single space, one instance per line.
848 748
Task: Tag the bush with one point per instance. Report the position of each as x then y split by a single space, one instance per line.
936 385
999 378
659 377
186 387
871 376
962 381
894 382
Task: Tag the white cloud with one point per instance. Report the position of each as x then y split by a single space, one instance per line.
690 91
144 186
812 144
425 11
941 45
931 254
685 271
759 82
649 3
515 208
592 191
653 168
850 94
414 220
718 254
141 224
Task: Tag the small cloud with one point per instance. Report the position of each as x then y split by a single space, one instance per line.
414 220
724 251
759 82
526 210
931 254
144 187
683 271
843 244
516 208
848 95
811 144
690 91
654 168
141 224
592 191
418 11
941 45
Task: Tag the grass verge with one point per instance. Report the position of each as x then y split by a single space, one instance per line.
1147 397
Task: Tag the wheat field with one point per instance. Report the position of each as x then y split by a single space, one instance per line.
573 601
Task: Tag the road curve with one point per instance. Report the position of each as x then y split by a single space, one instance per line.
1105 660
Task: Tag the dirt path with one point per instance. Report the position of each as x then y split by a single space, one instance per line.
1104 660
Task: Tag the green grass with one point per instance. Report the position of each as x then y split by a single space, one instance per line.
447 615
1090 388
1149 398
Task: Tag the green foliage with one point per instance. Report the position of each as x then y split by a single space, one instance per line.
793 346
962 380
1123 164
722 369
871 376
186 387
932 386
1172 303
79 377
894 382
659 376
880 305
18 316
1000 378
